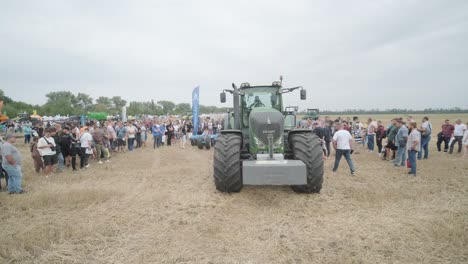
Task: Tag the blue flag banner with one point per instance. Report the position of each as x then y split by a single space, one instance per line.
195 108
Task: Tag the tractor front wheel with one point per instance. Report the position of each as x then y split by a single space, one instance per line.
227 165
306 147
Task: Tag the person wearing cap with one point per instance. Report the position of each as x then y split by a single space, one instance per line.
11 162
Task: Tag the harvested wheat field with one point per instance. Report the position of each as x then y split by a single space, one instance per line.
162 207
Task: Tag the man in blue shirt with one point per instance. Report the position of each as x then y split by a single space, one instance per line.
121 137
157 134
27 134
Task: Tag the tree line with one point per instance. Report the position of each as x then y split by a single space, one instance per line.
396 111
66 103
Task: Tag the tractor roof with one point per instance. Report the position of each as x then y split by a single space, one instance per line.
275 85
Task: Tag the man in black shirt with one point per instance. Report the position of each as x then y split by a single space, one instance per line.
327 135
58 150
65 142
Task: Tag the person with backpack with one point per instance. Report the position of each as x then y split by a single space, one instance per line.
391 146
426 131
47 148
380 134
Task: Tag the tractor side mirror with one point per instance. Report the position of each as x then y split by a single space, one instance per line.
222 97
303 94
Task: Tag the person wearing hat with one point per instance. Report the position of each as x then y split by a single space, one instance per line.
11 162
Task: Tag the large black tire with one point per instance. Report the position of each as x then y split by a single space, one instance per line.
192 142
200 142
306 147
227 165
207 142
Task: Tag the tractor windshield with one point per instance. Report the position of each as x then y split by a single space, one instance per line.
261 97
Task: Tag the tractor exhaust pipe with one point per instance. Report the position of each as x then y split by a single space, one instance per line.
236 107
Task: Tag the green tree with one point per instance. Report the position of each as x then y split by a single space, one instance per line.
182 108
84 103
62 103
117 104
104 101
135 108
103 104
167 107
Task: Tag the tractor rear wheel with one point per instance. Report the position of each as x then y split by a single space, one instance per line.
226 164
207 142
200 142
306 147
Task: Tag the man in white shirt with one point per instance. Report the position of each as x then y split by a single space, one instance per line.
46 147
426 130
86 141
131 135
342 141
458 135
372 126
465 143
413 145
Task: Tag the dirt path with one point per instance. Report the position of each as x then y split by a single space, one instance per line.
161 207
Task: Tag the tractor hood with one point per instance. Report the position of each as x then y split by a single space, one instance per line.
264 121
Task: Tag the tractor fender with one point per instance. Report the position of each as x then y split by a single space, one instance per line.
231 131
298 131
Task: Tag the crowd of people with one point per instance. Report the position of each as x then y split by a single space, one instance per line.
401 142
56 147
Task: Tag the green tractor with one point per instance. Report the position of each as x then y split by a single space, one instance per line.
312 113
260 144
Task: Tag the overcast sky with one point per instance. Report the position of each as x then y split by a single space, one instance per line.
347 54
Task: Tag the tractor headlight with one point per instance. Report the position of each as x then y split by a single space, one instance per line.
278 143
259 143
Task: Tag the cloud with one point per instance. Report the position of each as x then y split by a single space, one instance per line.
348 54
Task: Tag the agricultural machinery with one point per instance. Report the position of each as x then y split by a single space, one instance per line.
203 140
260 144
312 113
